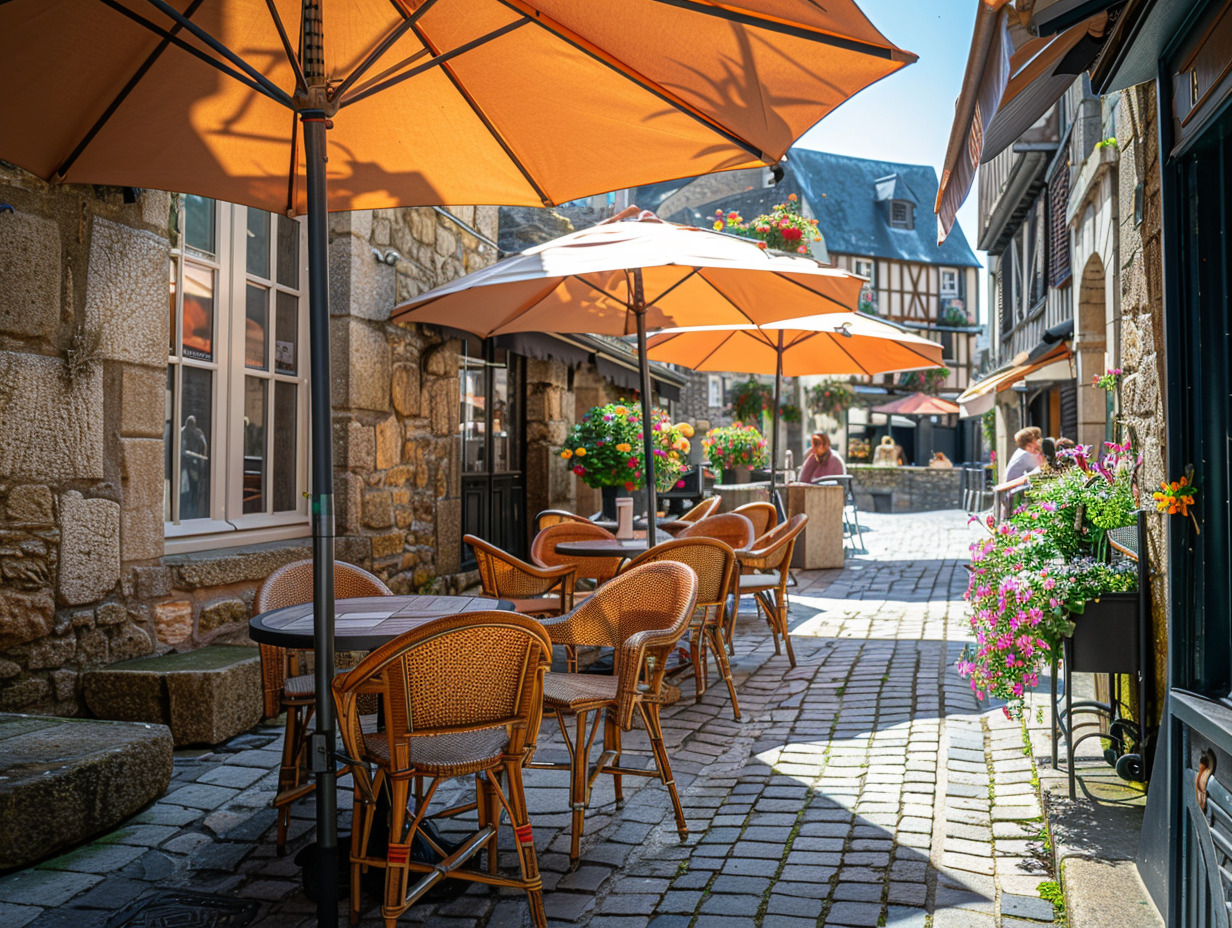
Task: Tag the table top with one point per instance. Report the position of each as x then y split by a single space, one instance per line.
603 547
366 623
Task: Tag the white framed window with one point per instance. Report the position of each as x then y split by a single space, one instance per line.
714 389
236 427
864 267
949 282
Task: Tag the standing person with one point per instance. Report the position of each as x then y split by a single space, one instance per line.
1028 456
821 460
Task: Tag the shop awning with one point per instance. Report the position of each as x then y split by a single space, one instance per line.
1010 83
978 398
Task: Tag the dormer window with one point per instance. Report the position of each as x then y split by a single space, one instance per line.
900 214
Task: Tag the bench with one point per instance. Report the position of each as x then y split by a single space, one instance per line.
204 696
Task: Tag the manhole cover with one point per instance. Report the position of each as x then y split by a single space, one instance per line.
171 909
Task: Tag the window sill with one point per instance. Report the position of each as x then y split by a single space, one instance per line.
208 535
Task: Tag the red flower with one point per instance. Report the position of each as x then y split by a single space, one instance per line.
628 484
791 235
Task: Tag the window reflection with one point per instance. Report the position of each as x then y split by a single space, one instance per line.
195 438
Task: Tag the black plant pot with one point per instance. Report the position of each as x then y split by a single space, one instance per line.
1105 638
611 494
737 475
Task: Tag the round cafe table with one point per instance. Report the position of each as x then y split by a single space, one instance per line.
364 624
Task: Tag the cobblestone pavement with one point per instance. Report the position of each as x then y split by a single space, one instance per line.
863 788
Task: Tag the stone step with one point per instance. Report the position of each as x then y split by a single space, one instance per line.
65 780
204 696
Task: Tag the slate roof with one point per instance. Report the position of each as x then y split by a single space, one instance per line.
849 199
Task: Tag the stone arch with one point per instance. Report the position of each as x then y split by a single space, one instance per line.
1091 318
1090 344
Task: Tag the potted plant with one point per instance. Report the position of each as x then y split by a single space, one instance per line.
783 228
1042 577
830 398
735 449
605 450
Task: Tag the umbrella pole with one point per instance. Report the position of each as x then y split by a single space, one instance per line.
652 502
774 434
321 745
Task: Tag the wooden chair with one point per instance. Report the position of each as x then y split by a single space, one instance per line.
506 577
598 569
463 696
763 516
288 690
716 567
770 560
555 517
642 614
696 514
730 527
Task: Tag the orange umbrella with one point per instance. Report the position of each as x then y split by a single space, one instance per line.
618 278
832 343
918 404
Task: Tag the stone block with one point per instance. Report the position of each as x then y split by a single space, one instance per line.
143 397
378 509
224 612
67 780
388 443
348 493
404 389
50 426
359 284
30 272
151 582
194 571
444 406
821 544
126 293
24 616
141 511
129 642
204 696
360 365
387 545
448 536
30 505
110 614
89 548
355 445
173 622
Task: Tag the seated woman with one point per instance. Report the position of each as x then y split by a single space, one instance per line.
886 454
821 460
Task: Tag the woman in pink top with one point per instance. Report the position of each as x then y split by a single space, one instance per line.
821 461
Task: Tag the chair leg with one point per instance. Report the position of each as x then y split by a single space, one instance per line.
714 640
578 787
780 607
698 655
525 842
767 608
650 718
396 855
288 772
611 742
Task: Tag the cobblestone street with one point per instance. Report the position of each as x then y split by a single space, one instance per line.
863 788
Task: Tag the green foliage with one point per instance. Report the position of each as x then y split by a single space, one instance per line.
924 381
830 398
783 228
751 398
737 445
605 447
1051 892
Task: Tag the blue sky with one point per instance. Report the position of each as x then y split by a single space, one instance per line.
907 116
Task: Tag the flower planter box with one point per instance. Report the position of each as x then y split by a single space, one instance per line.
1105 638
737 475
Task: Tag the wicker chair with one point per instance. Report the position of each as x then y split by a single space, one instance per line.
598 569
730 527
463 696
642 614
716 567
763 516
285 688
506 577
770 560
696 514
555 517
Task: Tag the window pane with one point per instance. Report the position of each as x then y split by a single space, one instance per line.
254 444
168 445
471 425
198 313
174 266
199 224
288 252
283 489
258 243
255 327
286 332
195 442
500 427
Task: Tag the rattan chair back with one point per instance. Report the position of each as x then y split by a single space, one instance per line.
712 560
702 509
555 517
504 576
763 516
599 569
774 549
729 527
291 585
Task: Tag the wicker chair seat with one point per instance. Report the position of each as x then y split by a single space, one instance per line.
755 583
303 686
450 755
569 691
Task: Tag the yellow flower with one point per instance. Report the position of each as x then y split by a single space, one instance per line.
566 454
624 447
685 429
621 411
718 225
581 452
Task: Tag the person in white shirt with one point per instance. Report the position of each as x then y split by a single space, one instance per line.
1027 457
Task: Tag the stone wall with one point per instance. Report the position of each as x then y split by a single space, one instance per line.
911 489
1141 397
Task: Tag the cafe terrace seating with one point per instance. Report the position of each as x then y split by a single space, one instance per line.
770 560
503 576
288 690
696 514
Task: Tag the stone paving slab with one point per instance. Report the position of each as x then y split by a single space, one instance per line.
865 787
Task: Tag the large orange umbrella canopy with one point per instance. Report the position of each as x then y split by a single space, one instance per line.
581 283
918 404
432 101
834 344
